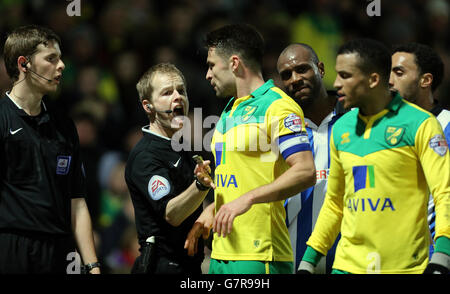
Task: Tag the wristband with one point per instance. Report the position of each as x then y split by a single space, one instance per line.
200 186
88 267
442 245
305 268
439 264
312 256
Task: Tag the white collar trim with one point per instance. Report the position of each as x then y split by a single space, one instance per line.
18 106
147 130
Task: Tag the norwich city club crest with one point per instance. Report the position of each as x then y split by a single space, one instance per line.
248 112
393 135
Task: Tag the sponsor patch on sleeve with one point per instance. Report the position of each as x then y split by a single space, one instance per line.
293 122
63 164
439 144
158 187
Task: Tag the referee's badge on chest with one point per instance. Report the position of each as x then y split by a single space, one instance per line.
63 164
158 187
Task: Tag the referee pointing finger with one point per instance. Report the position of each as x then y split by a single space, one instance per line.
167 187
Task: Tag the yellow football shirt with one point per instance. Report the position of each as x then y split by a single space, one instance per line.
382 170
253 136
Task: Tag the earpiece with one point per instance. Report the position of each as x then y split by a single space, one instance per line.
24 65
151 107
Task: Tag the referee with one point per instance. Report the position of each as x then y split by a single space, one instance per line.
167 198
43 213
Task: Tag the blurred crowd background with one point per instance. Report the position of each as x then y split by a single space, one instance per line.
112 43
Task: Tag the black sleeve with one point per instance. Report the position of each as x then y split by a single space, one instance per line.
151 180
78 175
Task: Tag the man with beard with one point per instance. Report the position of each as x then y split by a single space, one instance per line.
416 72
302 74
262 157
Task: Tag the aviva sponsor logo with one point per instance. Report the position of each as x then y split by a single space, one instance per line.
368 204
226 180
220 153
364 177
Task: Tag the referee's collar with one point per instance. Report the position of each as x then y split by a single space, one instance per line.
146 129
21 111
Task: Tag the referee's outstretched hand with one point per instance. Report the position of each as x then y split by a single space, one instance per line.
203 173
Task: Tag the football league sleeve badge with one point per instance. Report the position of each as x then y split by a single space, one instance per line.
439 144
158 187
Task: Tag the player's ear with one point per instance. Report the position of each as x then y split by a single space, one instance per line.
426 80
147 105
22 63
374 80
321 68
234 62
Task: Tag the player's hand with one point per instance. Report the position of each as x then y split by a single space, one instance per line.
95 271
191 243
223 222
203 173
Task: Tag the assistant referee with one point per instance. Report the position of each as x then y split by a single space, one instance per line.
167 198
43 213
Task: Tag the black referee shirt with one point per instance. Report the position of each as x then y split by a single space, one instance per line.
155 174
40 170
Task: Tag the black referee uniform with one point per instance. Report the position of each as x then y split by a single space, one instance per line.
40 170
155 174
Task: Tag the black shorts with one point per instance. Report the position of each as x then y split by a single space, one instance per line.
33 253
167 265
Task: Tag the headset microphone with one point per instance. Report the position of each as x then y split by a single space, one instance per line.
24 65
161 111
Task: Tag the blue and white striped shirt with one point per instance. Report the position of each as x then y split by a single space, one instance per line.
303 209
443 116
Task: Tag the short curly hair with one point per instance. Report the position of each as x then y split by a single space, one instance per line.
427 61
374 56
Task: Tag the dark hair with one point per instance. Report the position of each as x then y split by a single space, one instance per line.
427 61
240 39
144 85
373 56
23 41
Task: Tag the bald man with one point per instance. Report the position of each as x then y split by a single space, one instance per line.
302 74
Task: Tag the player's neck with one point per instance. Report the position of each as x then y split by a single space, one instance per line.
159 129
319 108
27 98
248 84
425 100
376 102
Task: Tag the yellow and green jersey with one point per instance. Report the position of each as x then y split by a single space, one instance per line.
382 170
252 133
